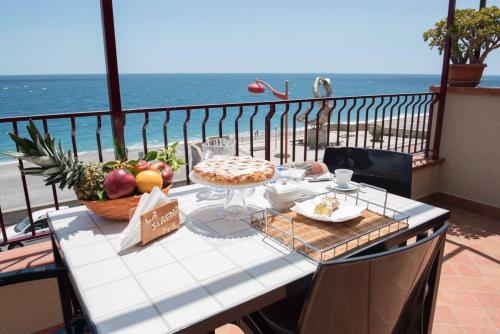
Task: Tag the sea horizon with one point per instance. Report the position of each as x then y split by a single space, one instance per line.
29 94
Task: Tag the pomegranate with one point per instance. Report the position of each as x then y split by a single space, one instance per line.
119 183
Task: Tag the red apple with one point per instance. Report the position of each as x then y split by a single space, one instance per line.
166 172
158 166
119 183
141 165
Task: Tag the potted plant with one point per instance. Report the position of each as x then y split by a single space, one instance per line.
109 189
474 34
378 136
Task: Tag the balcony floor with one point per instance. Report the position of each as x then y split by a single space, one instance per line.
469 291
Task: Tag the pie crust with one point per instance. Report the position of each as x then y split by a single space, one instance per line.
233 170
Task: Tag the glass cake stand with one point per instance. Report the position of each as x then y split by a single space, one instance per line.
235 201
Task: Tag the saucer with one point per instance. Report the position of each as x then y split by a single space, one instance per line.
350 187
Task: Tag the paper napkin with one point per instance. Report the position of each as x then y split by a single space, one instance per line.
131 235
283 196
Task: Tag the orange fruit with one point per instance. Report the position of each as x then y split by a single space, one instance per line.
147 180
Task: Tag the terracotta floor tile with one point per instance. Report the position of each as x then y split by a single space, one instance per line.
467 269
459 256
452 282
480 330
481 258
438 328
480 284
489 270
488 300
444 314
450 248
228 329
448 269
492 251
494 314
495 282
463 298
475 317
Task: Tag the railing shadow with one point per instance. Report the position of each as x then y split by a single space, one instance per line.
470 225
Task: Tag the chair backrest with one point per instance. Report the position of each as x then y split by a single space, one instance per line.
196 154
379 293
197 151
386 169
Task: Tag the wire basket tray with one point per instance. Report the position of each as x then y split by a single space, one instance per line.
323 241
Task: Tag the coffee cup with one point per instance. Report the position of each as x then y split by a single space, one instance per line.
343 177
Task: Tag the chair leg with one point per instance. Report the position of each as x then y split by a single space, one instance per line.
249 325
65 298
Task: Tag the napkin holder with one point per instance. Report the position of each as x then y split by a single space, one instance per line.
159 221
155 216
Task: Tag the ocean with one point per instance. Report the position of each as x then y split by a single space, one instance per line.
48 94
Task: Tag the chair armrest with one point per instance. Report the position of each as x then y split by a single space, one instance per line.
31 274
28 263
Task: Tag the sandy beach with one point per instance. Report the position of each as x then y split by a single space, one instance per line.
11 190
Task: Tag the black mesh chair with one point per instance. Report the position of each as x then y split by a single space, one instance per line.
388 292
76 320
386 169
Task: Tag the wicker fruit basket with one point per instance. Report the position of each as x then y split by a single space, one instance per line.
116 209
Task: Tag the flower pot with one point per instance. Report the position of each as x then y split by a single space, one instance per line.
116 209
465 75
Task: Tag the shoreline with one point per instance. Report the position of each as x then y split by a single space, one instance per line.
12 198
246 134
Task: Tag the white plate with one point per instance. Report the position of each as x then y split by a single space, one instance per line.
350 187
344 212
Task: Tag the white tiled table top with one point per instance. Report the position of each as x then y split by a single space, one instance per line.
212 263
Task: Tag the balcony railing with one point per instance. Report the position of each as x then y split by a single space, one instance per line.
399 122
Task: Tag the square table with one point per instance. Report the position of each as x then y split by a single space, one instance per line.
215 269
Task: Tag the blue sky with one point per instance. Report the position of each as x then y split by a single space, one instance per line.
222 36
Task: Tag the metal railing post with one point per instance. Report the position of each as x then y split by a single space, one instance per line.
443 89
267 133
115 104
2 226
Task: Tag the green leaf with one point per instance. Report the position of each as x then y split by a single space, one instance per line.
24 145
33 171
33 132
52 171
41 148
14 154
151 156
118 150
475 33
110 164
101 194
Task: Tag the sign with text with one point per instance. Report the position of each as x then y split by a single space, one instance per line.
159 221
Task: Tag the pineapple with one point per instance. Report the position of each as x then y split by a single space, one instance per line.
59 167
90 185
